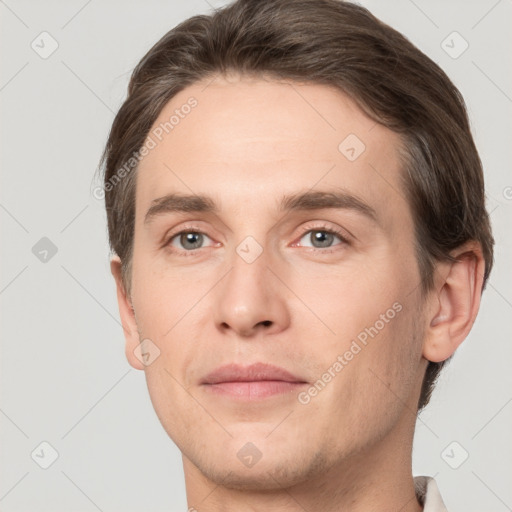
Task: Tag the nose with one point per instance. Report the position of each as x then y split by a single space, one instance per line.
250 300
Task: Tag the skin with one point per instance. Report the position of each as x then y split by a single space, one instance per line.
246 144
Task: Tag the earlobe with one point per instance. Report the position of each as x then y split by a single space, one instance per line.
127 315
454 302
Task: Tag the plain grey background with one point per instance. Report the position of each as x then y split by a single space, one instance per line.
64 377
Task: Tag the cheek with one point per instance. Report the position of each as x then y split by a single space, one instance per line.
377 379
370 312
167 309
162 296
350 297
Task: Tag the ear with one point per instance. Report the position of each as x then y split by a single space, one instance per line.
127 314
454 302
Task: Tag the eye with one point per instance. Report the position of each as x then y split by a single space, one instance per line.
188 240
321 238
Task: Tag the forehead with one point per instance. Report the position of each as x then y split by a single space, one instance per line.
248 139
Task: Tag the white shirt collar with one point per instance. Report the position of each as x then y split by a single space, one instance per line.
428 494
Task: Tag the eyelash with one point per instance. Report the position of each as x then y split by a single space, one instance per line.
307 229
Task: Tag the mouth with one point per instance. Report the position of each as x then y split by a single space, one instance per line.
254 382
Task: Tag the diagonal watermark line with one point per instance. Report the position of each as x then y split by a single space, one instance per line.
499 293
74 218
95 299
14 218
485 15
102 397
494 209
194 193
421 283
195 304
76 14
424 13
289 494
198 402
404 404
488 195
215 77
3 412
280 423
414 497
491 80
87 86
309 190
411 499
13 13
386 181
193 507
209 4
491 490
372 127
309 103
13 76
301 301
14 486
212 7
13 279
501 409
81 491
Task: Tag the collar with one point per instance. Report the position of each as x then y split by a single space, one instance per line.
428 494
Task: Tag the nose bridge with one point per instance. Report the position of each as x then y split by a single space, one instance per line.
251 252
248 279
247 299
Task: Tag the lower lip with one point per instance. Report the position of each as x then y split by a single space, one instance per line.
254 390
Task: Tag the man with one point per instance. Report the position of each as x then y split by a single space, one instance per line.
296 209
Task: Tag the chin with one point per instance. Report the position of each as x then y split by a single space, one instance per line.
262 479
268 474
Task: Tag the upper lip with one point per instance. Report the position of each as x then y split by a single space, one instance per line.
251 373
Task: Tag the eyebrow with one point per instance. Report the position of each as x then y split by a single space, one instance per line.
311 200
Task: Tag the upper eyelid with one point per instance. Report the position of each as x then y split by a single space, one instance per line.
335 232
196 229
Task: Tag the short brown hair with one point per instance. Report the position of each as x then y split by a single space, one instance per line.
331 42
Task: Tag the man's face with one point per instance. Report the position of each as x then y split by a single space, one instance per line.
329 294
